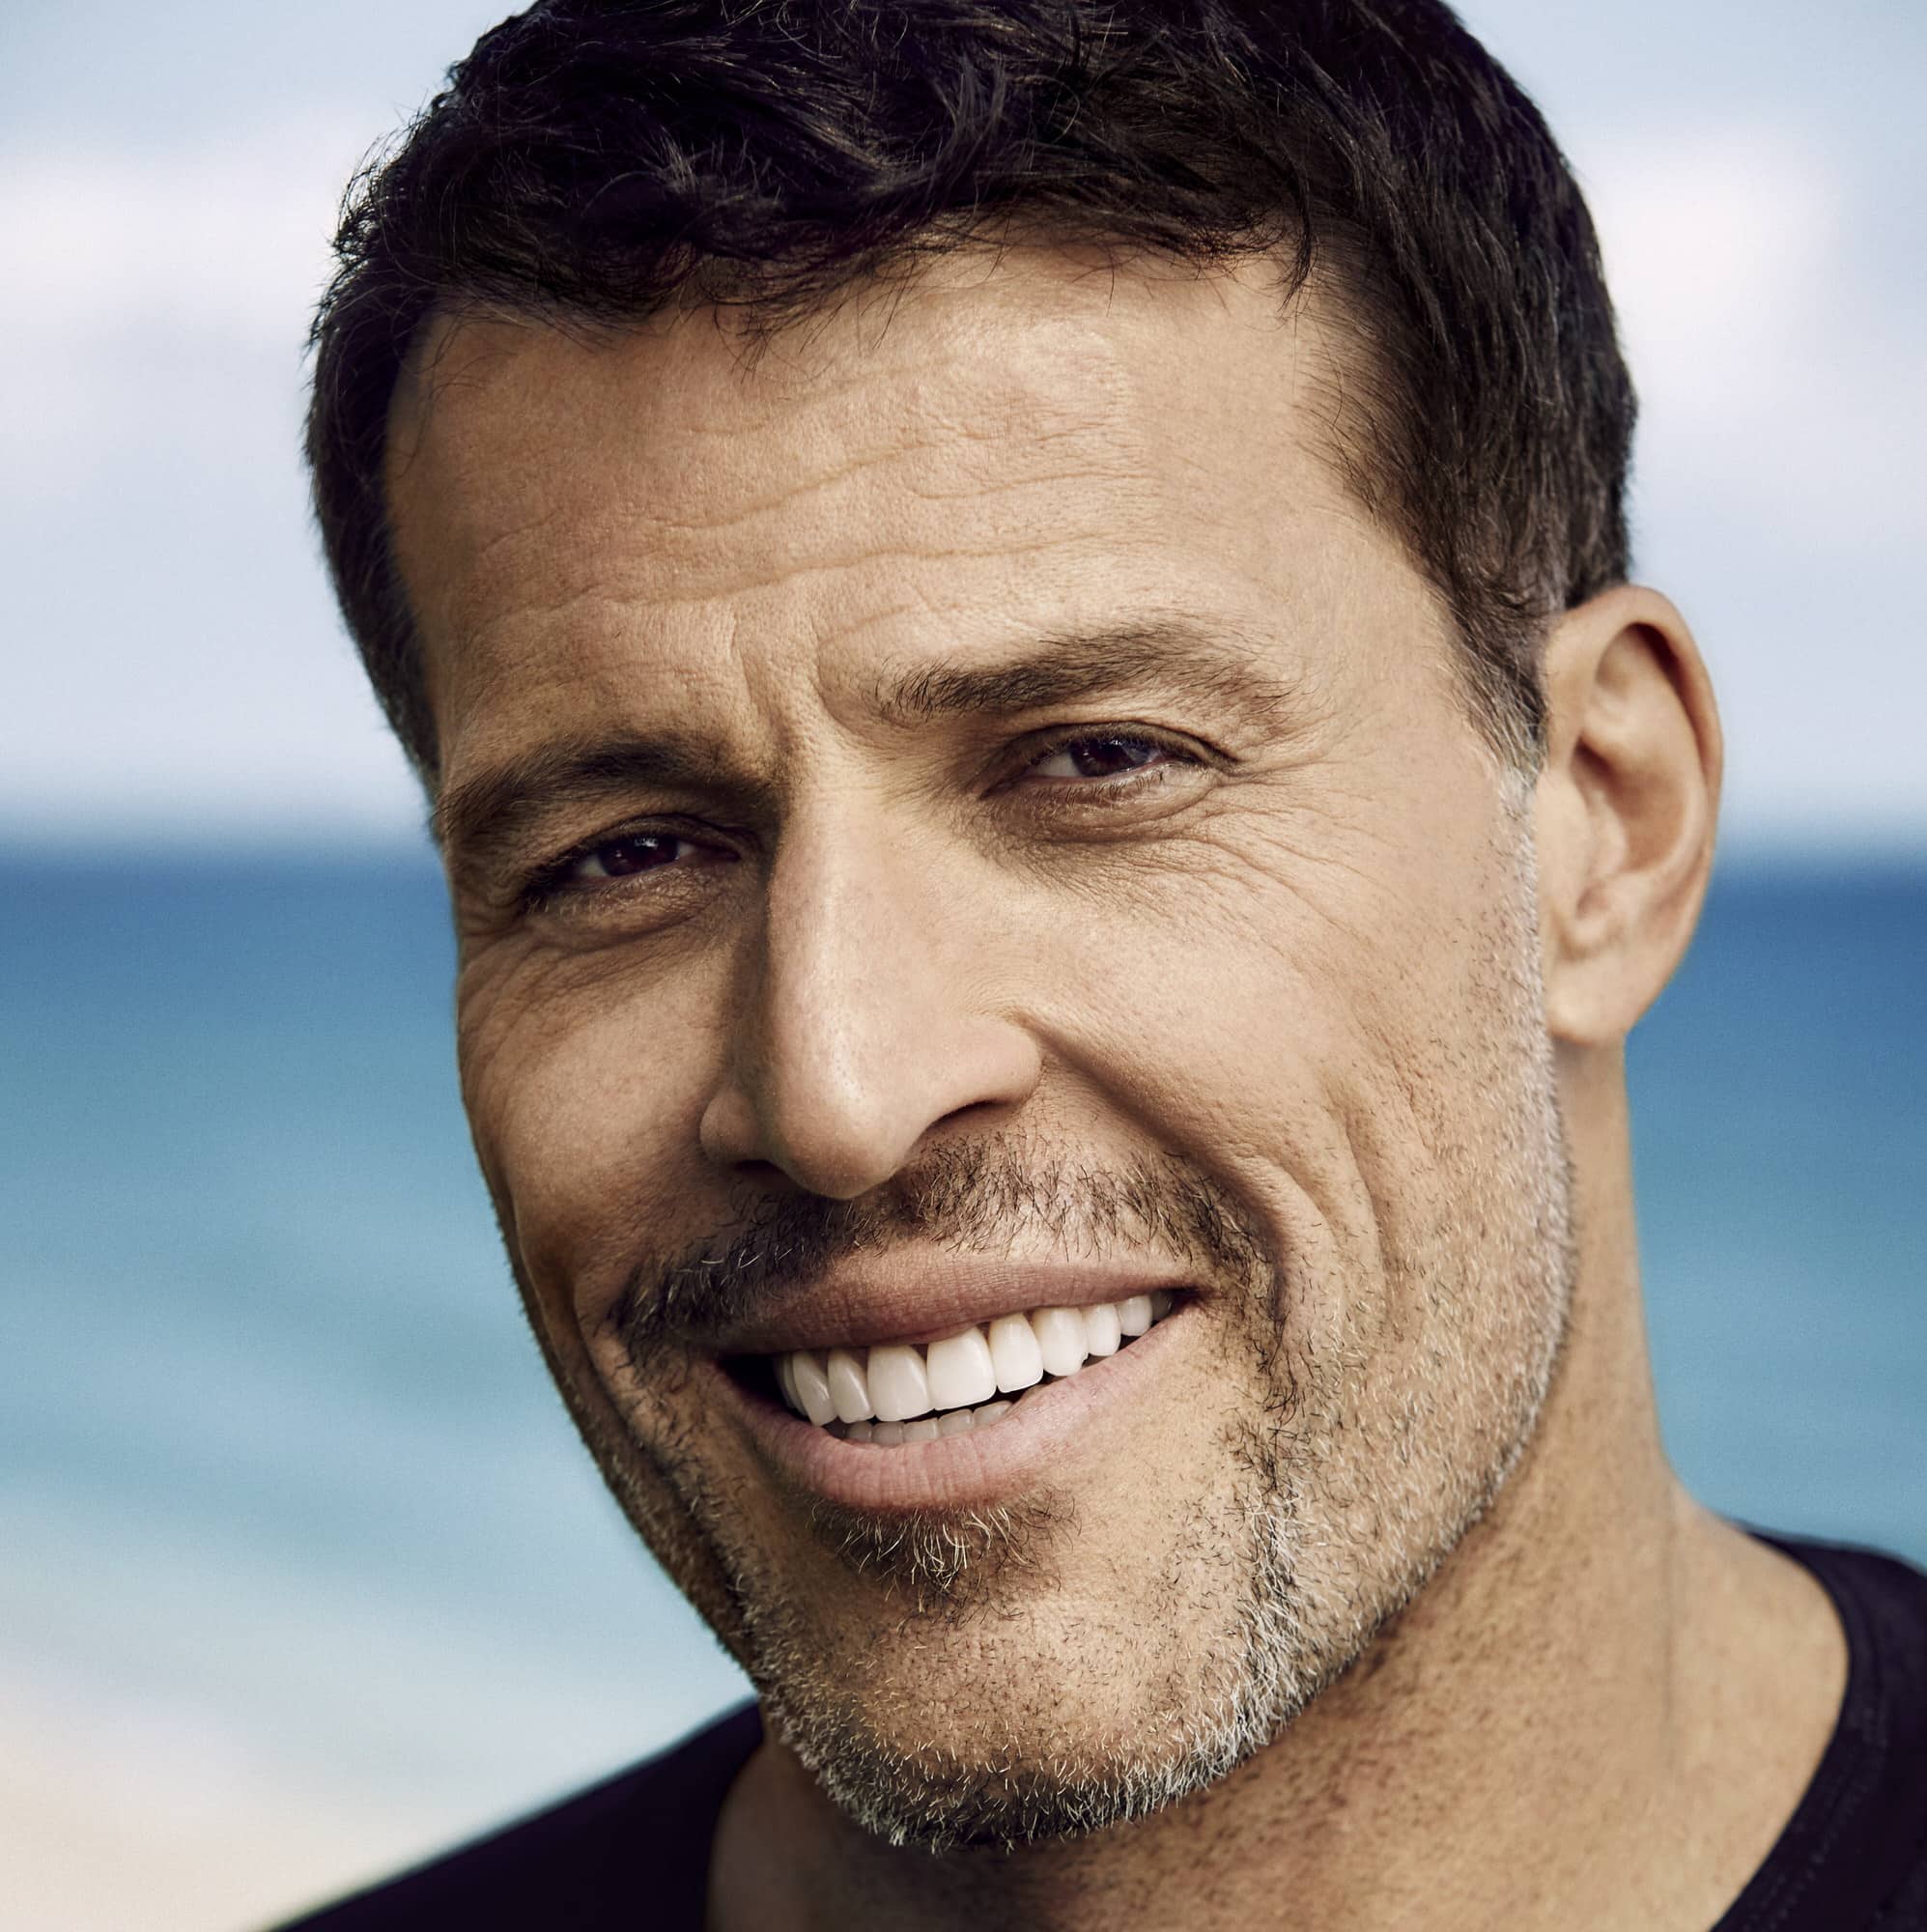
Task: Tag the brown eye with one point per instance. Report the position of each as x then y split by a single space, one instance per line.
620 858
1101 756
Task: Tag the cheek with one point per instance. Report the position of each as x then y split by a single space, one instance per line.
1222 1028
584 1103
1282 1012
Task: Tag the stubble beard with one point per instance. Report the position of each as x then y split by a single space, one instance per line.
1341 1515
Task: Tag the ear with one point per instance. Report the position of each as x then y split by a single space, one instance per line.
1624 809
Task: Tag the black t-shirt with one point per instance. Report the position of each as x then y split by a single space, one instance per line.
633 1853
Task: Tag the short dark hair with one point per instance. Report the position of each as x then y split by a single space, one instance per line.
602 160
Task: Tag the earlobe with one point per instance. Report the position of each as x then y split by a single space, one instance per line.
1624 810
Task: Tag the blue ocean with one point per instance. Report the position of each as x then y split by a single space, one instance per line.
286 1501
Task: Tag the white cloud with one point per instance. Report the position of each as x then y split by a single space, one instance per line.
223 239
1776 364
122 268
1782 367
179 666
1713 243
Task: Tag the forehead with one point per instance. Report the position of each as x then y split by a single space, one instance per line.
1019 442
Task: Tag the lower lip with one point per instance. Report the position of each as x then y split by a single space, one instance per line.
1005 1459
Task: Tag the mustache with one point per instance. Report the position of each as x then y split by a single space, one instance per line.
973 1196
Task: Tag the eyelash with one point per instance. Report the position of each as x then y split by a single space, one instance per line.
553 882
1116 784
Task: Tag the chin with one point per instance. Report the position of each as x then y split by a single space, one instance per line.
1016 1714
1030 1760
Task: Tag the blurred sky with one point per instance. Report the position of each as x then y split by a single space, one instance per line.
174 669
172 672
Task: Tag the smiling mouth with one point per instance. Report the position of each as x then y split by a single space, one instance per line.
898 1392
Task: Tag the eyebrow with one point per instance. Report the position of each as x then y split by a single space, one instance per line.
1224 665
482 819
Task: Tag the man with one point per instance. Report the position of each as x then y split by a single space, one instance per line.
1057 806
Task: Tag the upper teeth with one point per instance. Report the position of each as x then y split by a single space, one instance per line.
894 1382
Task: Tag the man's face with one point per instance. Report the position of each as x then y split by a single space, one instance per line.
817 991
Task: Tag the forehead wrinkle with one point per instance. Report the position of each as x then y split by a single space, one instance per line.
683 396
617 588
608 545
678 558
1041 420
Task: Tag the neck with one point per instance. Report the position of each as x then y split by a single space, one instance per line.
1587 1718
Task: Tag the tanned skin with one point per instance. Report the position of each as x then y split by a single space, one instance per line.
1291 965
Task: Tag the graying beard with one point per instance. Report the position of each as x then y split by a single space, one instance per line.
1291 1650
1293 1640
944 1562
973 1198
1292 1636
940 1801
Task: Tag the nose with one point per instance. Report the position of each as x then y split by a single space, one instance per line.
860 1026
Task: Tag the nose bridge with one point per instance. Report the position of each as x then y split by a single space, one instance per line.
846 936
858 1032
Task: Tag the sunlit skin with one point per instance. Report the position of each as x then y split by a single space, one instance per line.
1273 944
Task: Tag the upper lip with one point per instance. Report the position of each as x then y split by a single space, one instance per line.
922 1295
